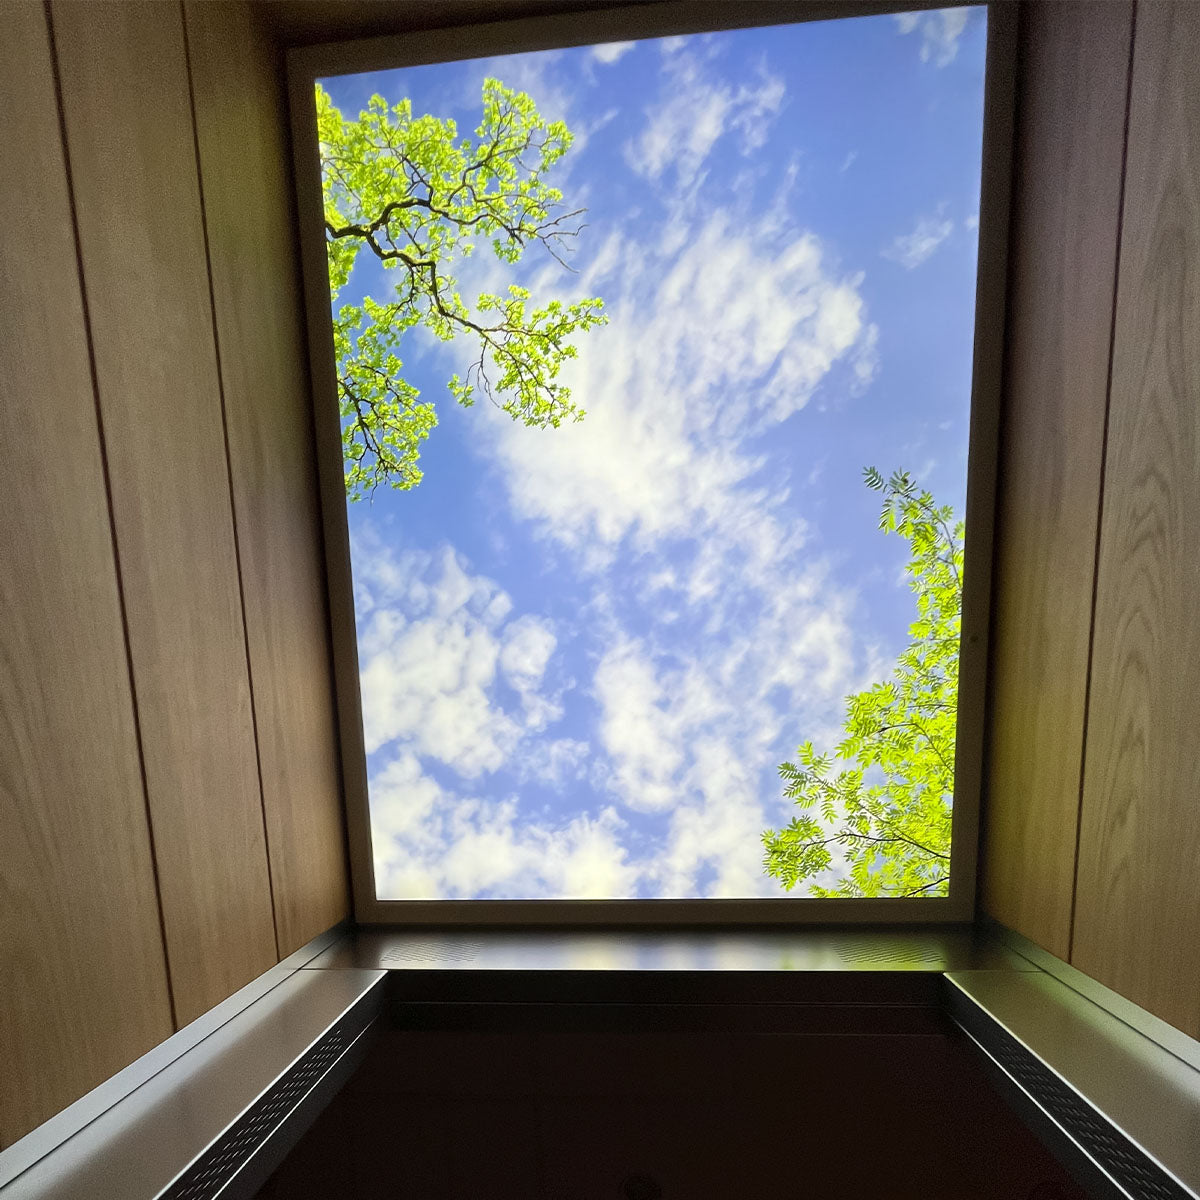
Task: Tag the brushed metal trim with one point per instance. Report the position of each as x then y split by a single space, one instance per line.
41 1141
236 1165
1146 1023
1019 1094
955 909
934 950
1118 1080
140 1146
251 1176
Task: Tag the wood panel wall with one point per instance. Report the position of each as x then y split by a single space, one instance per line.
1092 817
244 161
1137 919
1070 138
74 840
141 236
169 802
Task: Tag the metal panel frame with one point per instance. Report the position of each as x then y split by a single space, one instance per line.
229 1104
48 1136
305 66
1146 1023
1119 1109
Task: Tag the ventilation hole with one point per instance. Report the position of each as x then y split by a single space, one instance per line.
878 952
430 950
1103 1142
234 1148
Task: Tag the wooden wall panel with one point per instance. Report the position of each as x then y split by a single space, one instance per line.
83 983
241 122
1137 925
1067 178
132 154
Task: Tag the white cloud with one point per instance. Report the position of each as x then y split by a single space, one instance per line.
431 641
718 336
694 112
866 359
554 762
529 643
610 52
640 734
910 250
717 635
668 399
434 843
940 32
687 737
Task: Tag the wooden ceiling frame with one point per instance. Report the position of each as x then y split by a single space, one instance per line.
305 66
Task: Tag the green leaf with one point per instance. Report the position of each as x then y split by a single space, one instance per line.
887 811
409 192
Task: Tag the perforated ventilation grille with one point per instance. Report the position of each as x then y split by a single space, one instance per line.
432 951
880 952
1103 1142
234 1148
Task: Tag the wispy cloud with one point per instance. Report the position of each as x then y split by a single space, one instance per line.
694 111
610 52
664 490
711 343
940 32
438 648
661 491
433 643
436 842
710 634
910 250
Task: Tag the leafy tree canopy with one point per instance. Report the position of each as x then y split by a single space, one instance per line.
884 795
419 198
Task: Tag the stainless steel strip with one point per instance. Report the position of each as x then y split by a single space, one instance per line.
928 950
1145 1092
137 1148
236 1165
1027 1098
22 1154
1155 1028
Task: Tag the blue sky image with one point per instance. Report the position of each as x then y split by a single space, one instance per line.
584 651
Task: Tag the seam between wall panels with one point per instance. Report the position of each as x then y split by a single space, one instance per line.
112 520
1112 337
998 508
276 74
237 545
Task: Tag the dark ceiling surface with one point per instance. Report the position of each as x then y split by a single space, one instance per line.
666 1115
311 22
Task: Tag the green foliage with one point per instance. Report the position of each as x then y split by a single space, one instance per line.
410 192
884 794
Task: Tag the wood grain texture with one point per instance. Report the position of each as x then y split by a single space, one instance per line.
1137 924
1074 66
83 982
132 152
241 122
